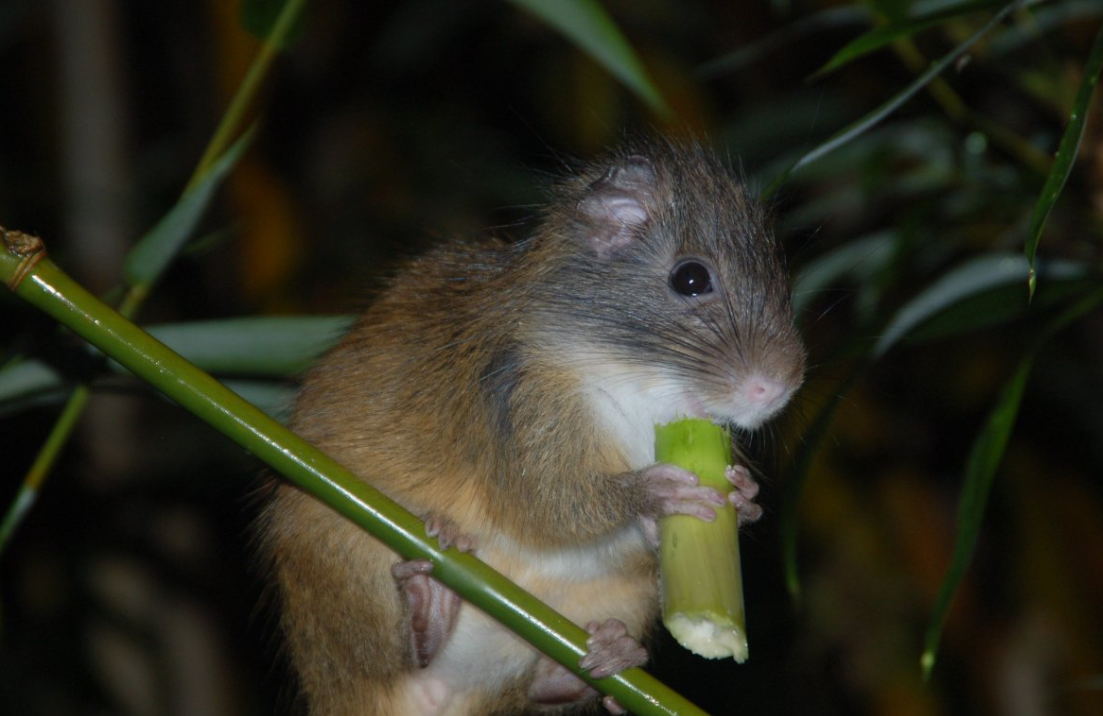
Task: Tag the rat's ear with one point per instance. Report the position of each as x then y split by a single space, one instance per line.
619 204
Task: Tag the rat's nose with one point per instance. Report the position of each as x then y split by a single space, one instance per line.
766 395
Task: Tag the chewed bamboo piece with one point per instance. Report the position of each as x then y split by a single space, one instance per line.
702 586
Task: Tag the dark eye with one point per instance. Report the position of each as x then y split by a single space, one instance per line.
691 278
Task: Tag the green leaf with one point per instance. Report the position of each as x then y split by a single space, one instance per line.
789 34
1043 19
861 258
274 399
260 18
798 475
879 37
971 278
984 459
154 251
27 378
1001 305
587 25
877 115
1066 155
275 347
261 346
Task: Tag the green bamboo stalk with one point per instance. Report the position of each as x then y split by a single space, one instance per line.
48 288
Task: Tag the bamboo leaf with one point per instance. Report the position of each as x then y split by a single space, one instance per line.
275 399
879 37
275 347
971 278
795 480
870 120
984 459
1043 20
154 251
1066 155
861 258
260 346
1001 305
790 33
27 378
260 18
587 25
34 383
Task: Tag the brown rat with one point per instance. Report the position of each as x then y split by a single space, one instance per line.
509 392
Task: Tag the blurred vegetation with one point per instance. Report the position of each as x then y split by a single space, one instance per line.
128 587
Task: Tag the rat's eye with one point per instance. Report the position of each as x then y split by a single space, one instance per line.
691 278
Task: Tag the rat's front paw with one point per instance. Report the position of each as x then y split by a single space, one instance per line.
674 491
746 489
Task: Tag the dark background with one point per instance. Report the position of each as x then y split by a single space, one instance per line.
130 589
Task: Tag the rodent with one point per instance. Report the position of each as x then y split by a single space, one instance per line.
509 392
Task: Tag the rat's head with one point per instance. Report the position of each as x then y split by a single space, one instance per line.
667 290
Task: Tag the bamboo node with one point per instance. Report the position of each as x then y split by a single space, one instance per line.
27 246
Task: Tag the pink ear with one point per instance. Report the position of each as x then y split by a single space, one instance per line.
618 205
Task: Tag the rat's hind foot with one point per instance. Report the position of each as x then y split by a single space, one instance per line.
431 606
448 533
612 649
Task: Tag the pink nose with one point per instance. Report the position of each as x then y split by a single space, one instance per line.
763 392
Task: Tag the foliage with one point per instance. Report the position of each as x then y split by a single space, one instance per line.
933 164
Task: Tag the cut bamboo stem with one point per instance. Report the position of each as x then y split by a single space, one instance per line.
698 560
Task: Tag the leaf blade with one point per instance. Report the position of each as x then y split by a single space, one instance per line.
589 27
970 278
879 37
1065 157
274 346
874 117
261 19
806 26
27 378
155 250
984 459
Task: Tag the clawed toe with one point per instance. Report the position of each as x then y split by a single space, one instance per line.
742 497
448 533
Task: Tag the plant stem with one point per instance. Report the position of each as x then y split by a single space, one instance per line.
52 291
43 463
235 116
